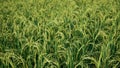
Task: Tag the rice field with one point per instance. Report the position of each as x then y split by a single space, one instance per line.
59 33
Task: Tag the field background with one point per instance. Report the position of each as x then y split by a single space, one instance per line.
59 33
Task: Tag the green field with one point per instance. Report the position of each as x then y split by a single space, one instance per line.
59 33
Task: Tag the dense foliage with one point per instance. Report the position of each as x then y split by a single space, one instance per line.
59 33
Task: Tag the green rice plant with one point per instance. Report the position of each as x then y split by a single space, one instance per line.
59 34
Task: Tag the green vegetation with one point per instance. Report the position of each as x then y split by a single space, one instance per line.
59 33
